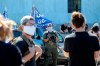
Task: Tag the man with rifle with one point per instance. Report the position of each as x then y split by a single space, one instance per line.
50 41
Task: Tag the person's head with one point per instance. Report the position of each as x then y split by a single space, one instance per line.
49 27
95 27
69 24
65 24
78 20
27 25
5 32
10 24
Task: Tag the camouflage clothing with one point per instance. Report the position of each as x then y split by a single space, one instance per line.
50 47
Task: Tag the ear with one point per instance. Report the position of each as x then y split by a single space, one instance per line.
84 25
21 27
73 26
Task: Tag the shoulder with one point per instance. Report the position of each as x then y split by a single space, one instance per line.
54 31
72 35
45 32
18 41
4 45
10 47
19 38
92 35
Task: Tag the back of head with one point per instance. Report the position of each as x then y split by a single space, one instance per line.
77 19
3 31
6 29
95 27
10 23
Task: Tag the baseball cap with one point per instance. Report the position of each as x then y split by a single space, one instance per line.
25 19
96 24
49 25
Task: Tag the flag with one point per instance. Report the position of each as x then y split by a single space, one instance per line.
5 14
40 20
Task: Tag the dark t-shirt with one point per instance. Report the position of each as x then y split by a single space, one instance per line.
9 55
63 27
23 47
81 47
69 29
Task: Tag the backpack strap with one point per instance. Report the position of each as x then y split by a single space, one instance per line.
29 42
15 40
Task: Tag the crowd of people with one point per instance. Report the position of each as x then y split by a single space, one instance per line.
66 28
81 45
21 50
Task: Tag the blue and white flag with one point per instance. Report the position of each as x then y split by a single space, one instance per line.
40 19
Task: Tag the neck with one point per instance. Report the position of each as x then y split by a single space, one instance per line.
80 29
49 31
27 36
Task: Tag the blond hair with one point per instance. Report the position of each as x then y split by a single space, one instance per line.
6 29
3 30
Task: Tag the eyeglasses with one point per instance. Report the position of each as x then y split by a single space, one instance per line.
30 23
